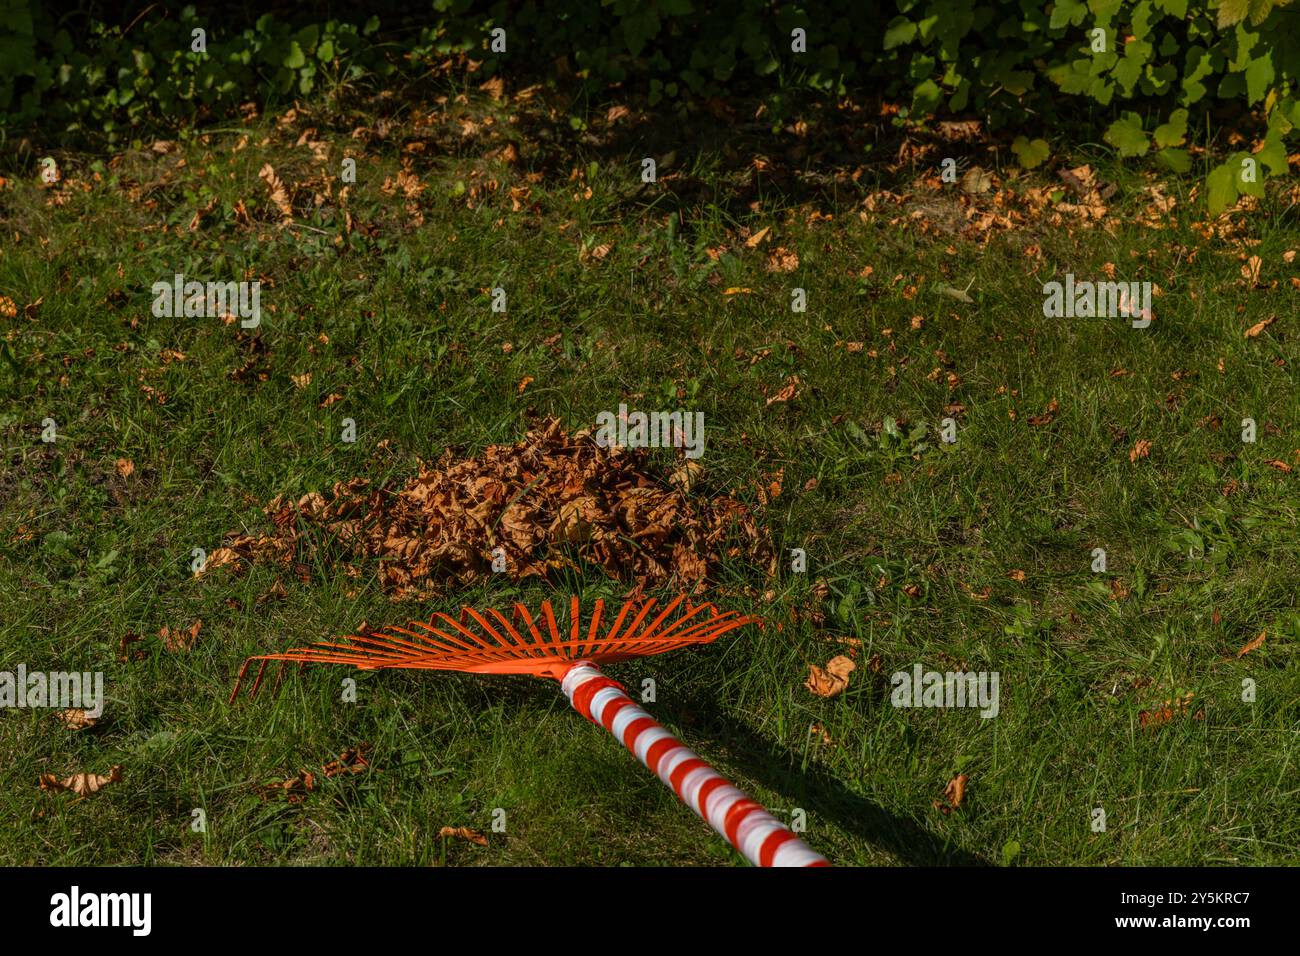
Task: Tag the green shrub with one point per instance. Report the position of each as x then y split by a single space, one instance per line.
1150 73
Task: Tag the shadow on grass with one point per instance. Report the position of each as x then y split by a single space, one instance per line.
817 790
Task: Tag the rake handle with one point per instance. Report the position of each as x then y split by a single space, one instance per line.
759 836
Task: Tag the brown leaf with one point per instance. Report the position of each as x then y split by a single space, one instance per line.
279 195
831 681
352 760
1046 418
464 833
76 718
1259 327
82 784
782 259
125 654
1017 575
955 792
788 392
295 789
1253 645
125 467
753 241
1167 711
180 640
1279 465
1141 449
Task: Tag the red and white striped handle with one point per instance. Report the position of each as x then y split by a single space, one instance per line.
759 836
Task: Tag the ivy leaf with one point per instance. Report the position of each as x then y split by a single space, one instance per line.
1126 135
1173 132
295 57
1030 153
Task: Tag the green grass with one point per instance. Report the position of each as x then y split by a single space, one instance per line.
903 534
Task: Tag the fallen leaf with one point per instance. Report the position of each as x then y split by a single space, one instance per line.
180 640
831 681
524 383
955 792
464 833
352 760
782 259
295 789
1046 418
1017 575
1253 645
1259 327
1279 465
82 784
1141 449
757 237
76 718
301 381
125 467
279 195
788 392
125 654
1167 711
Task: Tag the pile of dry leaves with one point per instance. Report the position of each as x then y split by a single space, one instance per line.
552 501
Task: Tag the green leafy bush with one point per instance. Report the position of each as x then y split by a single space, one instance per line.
1151 75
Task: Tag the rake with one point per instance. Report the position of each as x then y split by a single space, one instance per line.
492 644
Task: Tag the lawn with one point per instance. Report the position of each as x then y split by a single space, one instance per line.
1126 695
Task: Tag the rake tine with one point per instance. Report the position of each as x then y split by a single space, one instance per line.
252 694
234 694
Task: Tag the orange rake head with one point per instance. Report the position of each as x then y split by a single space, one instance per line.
492 644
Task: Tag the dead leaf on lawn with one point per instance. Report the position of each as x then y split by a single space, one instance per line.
464 833
125 467
1141 449
180 640
82 784
756 238
831 681
1259 327
352 760
788 392
1047 417
76 718
1253 645
279 195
